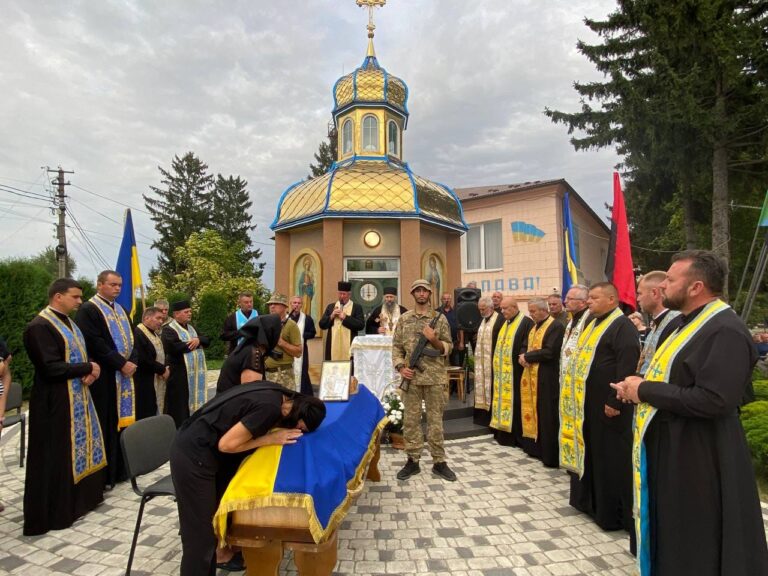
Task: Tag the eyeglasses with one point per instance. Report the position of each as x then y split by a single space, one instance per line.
568 298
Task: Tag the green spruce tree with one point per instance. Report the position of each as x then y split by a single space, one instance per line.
179 207
325 156
231 218
685 102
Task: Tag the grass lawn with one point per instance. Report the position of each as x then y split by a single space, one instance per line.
214 364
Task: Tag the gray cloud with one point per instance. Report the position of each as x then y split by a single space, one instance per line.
114 89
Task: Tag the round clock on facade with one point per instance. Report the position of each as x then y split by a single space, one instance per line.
372 239
368 292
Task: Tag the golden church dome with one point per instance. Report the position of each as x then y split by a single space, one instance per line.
370 84
369 188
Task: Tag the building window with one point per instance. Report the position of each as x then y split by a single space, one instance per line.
392 139
370 134
346 137
484 246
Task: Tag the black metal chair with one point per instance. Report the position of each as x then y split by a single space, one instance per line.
13 402
146 446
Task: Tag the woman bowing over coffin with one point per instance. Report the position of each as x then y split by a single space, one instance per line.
210 446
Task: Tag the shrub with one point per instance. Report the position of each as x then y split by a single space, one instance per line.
754 418
212 312
761 389
24 294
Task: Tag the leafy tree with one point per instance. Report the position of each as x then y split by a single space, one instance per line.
25 292
212 311
210 264
47 259
179 208
231 218
685 100
325 156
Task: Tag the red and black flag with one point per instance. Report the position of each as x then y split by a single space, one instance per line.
618 267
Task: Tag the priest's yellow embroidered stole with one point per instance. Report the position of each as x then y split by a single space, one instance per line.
504 376
573 393
659 370
529 384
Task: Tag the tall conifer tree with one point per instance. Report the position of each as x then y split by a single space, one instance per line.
232 219
179 207
685 100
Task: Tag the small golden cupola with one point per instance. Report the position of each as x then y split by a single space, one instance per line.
370 178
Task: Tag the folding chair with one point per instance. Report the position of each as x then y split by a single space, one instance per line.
146 446
13 402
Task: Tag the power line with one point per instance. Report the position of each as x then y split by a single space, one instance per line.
16 231
22 194
86 239
112 200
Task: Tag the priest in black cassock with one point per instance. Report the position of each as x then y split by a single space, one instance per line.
511 342
608 352
65 459
306 325
237 320
342 319
109 338
540 384
152 371
384 317
700 505
186 389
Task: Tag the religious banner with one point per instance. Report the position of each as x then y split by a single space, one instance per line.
433 271
307 281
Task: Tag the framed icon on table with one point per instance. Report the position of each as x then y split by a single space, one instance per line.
334 381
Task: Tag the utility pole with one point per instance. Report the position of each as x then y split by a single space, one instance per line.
61 230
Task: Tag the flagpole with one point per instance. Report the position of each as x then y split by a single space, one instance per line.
762 261
760 222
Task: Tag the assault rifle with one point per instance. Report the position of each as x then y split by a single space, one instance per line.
421 350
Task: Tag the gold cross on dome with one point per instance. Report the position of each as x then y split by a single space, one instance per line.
370 4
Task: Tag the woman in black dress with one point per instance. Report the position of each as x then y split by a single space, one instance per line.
212 443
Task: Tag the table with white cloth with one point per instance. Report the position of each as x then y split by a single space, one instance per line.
373 363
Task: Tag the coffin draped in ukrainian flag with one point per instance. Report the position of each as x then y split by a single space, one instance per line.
322 473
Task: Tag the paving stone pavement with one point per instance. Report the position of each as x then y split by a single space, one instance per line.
506 515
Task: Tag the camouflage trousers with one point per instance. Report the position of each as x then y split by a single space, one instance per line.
283 377
434 400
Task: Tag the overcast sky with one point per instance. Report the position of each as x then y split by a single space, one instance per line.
114 89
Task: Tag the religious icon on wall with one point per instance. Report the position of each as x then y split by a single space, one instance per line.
334 381
306 273
433 272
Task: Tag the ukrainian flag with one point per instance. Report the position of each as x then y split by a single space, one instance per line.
322 473
570 275
128 268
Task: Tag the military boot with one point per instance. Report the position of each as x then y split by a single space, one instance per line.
442 470
411 467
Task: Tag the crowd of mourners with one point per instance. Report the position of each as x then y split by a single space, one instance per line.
641 411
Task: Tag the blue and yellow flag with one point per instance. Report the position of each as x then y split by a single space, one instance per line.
128 268
570 275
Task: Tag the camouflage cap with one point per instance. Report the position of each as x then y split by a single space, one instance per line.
278 298
420 283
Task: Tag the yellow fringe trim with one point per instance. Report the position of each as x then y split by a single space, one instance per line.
305 501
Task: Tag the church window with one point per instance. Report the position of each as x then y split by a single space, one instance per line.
346 137
392 138
370 134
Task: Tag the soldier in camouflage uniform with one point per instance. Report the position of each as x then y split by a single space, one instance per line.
427 385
